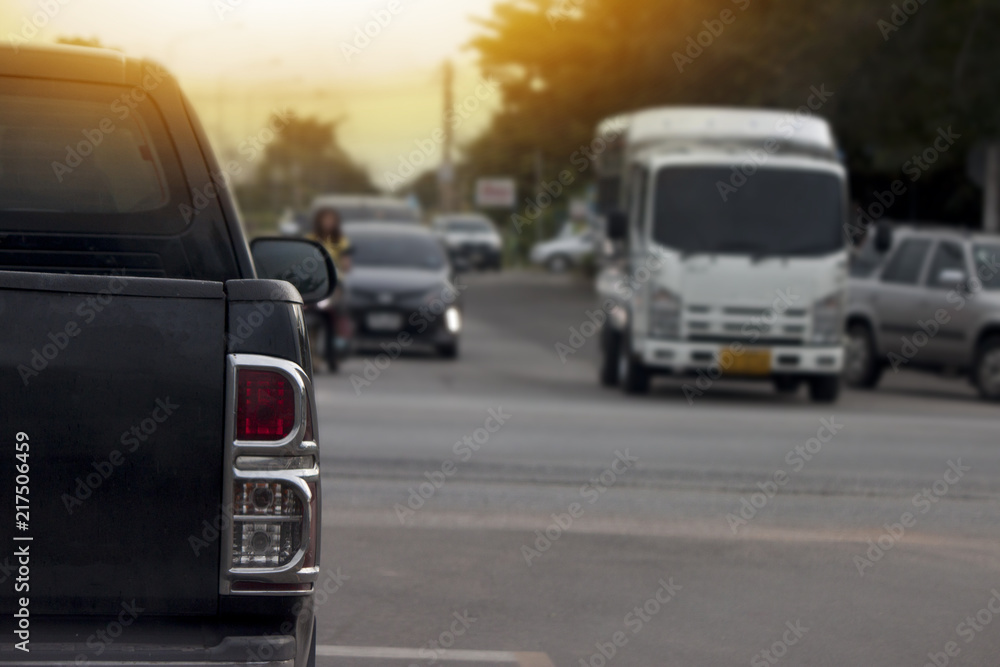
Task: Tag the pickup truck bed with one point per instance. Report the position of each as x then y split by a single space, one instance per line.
125 416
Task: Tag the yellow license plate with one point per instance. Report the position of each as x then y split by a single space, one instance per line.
745 362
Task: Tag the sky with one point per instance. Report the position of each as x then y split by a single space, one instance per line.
239 59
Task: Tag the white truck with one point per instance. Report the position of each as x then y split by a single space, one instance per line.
733 252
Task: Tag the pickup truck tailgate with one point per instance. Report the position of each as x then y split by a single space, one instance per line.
119 383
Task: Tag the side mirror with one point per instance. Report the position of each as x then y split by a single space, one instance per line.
951 277
883 237
305 264
617 226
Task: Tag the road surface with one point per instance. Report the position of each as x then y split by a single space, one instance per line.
505 509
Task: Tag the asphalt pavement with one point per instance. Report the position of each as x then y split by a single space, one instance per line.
505 509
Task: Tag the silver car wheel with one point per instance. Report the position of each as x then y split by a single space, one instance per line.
989 373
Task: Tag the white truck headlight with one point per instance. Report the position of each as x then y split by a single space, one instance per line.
828 320
664 315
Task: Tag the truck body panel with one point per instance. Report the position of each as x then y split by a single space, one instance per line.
119 385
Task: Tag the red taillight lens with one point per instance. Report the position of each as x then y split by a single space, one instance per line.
265 406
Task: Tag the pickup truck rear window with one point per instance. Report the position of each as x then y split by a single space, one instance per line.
85 158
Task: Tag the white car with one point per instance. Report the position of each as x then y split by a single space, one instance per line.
471 239
565 251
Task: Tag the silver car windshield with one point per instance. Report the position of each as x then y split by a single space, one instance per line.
986 264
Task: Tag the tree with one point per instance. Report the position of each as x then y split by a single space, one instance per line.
305 160
566 64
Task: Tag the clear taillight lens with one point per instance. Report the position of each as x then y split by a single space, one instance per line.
268 519
265 406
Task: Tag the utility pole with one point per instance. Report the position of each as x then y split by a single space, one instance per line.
991 190
983 167
446 175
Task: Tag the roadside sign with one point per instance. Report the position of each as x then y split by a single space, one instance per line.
496 193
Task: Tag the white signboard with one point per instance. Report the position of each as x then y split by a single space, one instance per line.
496 193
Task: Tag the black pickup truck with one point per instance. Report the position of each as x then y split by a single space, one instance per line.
159 458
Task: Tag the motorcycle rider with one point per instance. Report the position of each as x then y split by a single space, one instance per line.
338 329
328 230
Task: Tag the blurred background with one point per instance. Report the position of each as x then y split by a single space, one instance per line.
363 103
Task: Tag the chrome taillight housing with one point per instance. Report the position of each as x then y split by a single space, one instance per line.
272 483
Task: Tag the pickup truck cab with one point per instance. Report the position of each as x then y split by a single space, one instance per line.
735 261
159 430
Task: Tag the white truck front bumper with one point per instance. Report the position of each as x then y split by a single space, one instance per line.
683 357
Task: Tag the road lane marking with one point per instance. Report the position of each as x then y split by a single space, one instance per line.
453 655
533 660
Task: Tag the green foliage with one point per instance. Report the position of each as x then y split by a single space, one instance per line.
425 187
567 64
305 160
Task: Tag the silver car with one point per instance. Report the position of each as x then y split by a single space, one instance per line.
925 299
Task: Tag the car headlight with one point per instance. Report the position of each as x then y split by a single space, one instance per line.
453 320
828 320
664 314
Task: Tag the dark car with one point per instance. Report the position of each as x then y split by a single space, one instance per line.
400 289
472 240
159 391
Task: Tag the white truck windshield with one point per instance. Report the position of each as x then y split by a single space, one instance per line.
776 212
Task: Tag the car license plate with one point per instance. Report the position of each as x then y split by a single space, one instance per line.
385 321
745 362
